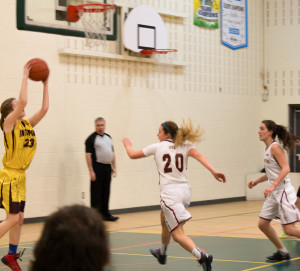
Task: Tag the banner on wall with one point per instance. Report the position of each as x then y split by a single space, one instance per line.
234 23
206 13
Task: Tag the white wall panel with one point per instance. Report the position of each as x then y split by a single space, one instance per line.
218 88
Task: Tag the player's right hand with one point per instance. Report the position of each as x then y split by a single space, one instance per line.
251 184
126 142
26 70
93 176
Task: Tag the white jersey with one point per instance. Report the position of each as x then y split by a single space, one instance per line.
273 169
171 162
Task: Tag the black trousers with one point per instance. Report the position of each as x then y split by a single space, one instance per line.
100 189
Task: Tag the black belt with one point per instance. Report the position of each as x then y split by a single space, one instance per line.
101 164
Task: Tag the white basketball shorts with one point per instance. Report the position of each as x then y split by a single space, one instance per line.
281 204
173 204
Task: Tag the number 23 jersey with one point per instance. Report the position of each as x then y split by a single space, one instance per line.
171 162
20 146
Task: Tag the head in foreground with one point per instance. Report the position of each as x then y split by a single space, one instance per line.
73 238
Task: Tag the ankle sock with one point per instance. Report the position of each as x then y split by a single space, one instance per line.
283 250
12 249
163 250
197 253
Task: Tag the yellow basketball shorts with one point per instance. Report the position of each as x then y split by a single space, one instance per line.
12 190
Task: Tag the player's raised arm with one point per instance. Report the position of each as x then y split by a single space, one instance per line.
18 105
35 119
133 154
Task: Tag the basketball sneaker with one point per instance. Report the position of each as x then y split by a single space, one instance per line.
206 261
11 260
279 256
162 259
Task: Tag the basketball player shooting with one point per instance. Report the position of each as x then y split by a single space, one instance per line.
20 146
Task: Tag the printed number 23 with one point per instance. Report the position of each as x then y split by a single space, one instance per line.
29 143
178 162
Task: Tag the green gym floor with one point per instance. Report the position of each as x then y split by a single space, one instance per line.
230 254
227 231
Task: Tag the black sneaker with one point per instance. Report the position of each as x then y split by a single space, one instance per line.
279 256
111 218
206 261
162 259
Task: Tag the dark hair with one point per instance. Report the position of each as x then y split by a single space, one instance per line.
170 127
6 108
73 238
285 137
100 119
185 133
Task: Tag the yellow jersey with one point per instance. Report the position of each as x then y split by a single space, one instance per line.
20 146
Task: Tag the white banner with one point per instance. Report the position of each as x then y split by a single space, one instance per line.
234 17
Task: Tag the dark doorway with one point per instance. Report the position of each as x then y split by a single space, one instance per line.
294 115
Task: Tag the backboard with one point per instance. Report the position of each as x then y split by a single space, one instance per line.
50 16
144 29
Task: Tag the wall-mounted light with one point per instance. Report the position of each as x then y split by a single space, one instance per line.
265 94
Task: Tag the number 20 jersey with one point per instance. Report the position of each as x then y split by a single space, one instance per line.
20 146
171 162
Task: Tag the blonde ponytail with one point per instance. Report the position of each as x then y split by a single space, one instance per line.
187 132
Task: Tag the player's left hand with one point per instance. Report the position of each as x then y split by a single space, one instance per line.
219 176
46 80
269 190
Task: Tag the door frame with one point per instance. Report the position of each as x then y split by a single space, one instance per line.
292 128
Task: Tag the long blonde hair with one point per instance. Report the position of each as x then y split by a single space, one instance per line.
186 132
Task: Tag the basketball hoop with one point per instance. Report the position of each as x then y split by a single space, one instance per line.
164 61
157 51
94 19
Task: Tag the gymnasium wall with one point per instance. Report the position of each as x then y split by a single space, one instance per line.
282 68
282 58
220 89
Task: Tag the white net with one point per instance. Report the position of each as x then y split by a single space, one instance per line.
165 61
97 21
165 58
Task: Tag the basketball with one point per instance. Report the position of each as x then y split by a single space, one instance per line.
39 70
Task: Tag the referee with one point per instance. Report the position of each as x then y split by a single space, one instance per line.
101 161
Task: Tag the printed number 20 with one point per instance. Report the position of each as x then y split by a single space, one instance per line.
178 162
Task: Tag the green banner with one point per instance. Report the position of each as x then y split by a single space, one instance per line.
206 13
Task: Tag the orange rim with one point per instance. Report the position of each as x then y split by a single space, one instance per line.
157 51
74 12
98 8
90 8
